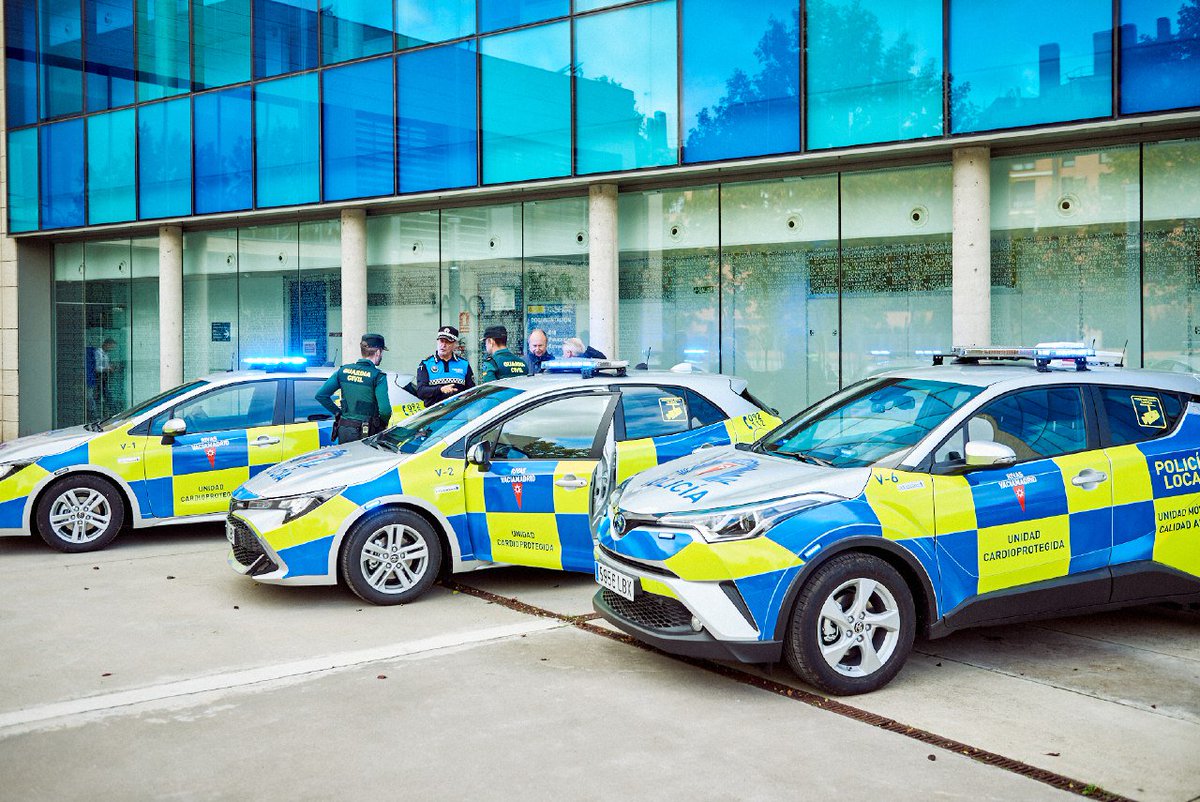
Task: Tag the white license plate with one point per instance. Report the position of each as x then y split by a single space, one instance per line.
619 583
229 532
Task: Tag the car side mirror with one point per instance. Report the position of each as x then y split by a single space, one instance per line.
480 454
981 453
172 429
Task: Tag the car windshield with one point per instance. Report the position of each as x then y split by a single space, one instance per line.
123 417
877 421
415 434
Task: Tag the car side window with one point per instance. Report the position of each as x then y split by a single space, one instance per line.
654 411
1036 423
240 406
305 407
1136 415
566 428
702 412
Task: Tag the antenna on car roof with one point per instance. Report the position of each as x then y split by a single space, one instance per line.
1124 349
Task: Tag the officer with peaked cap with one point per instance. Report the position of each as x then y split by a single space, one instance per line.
443 373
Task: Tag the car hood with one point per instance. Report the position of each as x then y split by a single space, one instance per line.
36 446
729 477
332 466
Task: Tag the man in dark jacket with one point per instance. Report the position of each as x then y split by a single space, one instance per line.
538 353
443 373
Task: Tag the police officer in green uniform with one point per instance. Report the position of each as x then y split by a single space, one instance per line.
365 405
500 363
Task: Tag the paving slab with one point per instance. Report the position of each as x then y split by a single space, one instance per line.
562 592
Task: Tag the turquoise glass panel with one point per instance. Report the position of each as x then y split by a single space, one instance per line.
1004 76
61 29
354 28
626 89
287 121
874 71
62 174
285 36
221 139
497 14
108 25
420 22
360 130
437 114
164 178
221 32
111 149
1160 55
20 64
526 85
592 5
23 180
162 49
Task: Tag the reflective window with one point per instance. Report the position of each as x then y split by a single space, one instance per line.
359 132
109 32
563 429
874 71
437 118
165 179
74 395
1170 287
592 5
741 66
221 53
314 320
23 180
419 22
287 131
1137 415
1036 423
163 45
1065 262
497 14
61 28
626 89
143 373
654 411
526 85
1159 44
354 28
222 146
305 407
20 63
555 250
241 406
1003 77
210 295
108 326
62 174
111 153
402 285
285 36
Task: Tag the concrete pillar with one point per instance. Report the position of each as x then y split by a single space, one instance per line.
354 281
603 250
170 306
972 237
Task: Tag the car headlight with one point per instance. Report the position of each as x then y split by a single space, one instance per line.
293 506
10 468
747 521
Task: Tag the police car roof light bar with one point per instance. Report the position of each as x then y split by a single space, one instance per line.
284 364
586 368
1042 354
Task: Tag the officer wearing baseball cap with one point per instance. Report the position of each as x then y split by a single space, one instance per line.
443 373
500 363
365 406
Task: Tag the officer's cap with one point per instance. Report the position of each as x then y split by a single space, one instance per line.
448 333
495 333
374 341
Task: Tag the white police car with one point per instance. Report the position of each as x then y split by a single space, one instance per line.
923 500
511 472
172 459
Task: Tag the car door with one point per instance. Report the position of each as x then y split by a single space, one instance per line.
1046 516
530 505
658 423
232 434
308 425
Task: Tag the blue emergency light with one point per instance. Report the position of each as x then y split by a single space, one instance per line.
586 368
284 364
1042 354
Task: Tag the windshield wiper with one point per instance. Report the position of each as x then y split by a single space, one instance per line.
801 456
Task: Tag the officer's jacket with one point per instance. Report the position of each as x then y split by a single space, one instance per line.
432 373
502 364
364 392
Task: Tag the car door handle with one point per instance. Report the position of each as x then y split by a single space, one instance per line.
265 440
1088 478
571 481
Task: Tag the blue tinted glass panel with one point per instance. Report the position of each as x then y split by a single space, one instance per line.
286 128
221 54
20 63
111 147
62 174
591 5
285 36
164 175
354 28
525 76
741 69
162 49
874 71
222 146
497 14
1004 77
23 180
1160 55
419 22
359 130
62 57
109 28
437 118
626 89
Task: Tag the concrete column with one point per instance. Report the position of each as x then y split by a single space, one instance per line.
972 236
170 306
354 281
603 249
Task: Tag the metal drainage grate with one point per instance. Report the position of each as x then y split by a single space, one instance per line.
650 611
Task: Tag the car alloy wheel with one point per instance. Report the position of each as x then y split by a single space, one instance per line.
80 513
391 557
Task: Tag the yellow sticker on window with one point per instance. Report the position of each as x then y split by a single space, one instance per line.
1149 411
672 408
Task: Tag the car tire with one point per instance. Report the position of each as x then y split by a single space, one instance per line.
80 513
852 627
391 558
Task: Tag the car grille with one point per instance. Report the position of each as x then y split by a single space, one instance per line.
650 611
246 548
632 563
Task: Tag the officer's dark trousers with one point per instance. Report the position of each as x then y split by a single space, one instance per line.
349 431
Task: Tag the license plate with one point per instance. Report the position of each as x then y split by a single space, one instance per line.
619 583
229 532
